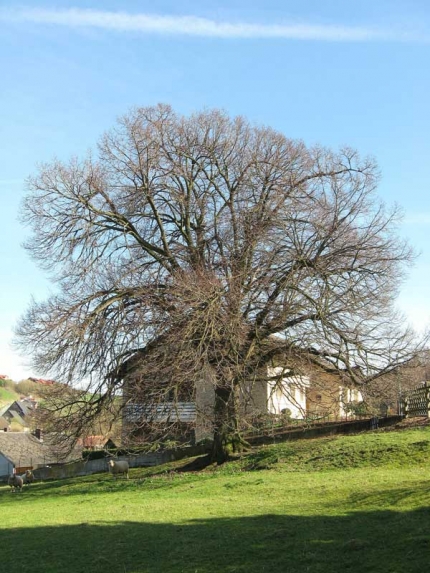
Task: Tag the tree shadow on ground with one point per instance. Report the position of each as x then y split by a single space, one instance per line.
418 495
196 464
94 485
379 541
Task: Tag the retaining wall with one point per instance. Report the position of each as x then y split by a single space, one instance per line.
88 467
328 429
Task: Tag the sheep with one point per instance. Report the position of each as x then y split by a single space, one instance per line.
15 483
119 467
28 477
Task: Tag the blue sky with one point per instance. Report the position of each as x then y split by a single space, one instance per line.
332 72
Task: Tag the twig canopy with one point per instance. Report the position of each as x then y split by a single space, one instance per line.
228 243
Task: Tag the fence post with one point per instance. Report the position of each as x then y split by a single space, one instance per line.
427 387
406 407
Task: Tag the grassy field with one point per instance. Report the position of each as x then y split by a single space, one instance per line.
356 504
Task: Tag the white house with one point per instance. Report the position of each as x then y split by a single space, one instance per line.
348 396
286 393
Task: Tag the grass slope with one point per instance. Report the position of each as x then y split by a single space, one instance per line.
357 504
11 391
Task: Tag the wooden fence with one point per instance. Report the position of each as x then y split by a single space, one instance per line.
417 402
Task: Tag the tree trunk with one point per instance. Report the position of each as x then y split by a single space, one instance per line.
227 438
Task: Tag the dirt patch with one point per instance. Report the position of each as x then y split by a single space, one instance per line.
408 423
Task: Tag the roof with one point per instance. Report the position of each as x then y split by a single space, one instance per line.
165 412
21 407
27 406
23 449
43 381
92 441
15 417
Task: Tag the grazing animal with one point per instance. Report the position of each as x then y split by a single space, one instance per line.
15 482
120 467
28 477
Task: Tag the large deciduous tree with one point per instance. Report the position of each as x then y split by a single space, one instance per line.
226 244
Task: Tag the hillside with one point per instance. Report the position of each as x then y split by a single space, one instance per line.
11 391
353 503
389 448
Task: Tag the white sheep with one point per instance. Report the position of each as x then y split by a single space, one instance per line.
119 467
28 477
15 482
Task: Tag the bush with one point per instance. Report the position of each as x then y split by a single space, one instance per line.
9 385
286 414
357 408
27 387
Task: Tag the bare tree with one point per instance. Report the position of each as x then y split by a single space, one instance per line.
389 393
225 243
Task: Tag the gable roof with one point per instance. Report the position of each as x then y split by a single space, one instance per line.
92 441
26 406
23 449
15 417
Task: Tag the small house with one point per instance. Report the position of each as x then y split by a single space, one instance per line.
18 414
22 451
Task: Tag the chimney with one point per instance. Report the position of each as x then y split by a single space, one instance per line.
39 435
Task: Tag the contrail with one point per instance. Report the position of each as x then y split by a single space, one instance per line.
202 27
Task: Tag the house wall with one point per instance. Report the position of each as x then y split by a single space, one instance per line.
327 397
323 402
258 395
275 390
6 466
347 395
286 393
189 429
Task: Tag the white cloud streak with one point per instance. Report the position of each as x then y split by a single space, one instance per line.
201 27
417 219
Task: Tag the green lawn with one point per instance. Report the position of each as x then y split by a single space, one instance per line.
356 504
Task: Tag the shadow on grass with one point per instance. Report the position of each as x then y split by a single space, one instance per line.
419 495
85 487
147 479
374 542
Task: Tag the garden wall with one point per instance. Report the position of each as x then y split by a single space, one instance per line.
88 467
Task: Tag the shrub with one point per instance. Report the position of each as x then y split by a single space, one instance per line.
357 408
27 387
9 385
